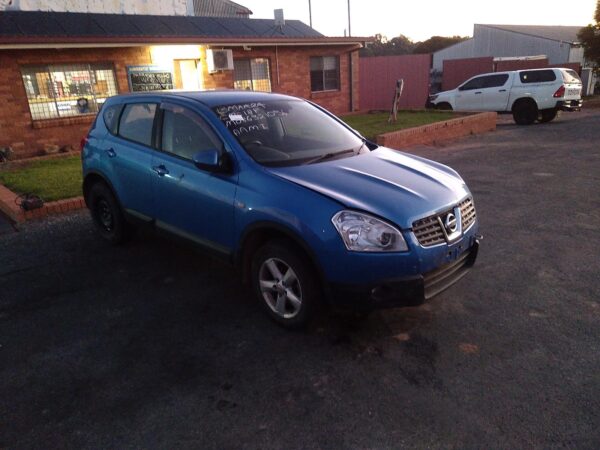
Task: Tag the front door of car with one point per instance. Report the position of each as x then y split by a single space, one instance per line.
191 202
468 97
495 92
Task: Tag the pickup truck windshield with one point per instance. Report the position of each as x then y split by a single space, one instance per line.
287 132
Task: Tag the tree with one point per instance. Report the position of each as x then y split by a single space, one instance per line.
435 43
383 46
590 40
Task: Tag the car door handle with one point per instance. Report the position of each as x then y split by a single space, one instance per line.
161 170
502 90
478 92
111 153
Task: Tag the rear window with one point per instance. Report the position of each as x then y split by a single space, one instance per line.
570 76
537 76
110 115
137 121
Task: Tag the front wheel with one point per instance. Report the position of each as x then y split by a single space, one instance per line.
285 284
444 106
548 115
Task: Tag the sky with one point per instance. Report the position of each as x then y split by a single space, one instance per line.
421 19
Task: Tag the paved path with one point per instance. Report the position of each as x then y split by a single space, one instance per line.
153 346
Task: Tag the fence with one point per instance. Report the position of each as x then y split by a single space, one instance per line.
378 75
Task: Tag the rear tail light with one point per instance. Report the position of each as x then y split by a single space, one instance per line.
560 92
84 141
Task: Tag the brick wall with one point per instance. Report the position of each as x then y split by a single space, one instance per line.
28 137
290 74
439 131
289 68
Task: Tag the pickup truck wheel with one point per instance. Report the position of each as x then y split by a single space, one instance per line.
285 284
525 112
107 214
548 115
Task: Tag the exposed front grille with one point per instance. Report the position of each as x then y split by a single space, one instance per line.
467 212
429 231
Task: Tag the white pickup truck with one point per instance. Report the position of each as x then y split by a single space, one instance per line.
530 95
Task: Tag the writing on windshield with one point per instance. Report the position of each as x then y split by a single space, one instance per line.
246 118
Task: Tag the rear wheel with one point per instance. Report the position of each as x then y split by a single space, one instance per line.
548 115
285 284
525 112
107 214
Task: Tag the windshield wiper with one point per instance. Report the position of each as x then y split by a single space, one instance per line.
328 156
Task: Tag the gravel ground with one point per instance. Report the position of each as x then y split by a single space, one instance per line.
151 345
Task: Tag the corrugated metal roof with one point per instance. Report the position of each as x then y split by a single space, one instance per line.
220 8
552 32
41 24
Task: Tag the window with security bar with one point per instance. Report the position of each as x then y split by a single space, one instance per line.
252 74
324 73
67 90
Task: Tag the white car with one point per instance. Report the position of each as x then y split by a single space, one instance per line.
530 95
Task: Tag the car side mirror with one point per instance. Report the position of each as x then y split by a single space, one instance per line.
212 160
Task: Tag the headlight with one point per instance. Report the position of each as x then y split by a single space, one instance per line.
433 97
364 233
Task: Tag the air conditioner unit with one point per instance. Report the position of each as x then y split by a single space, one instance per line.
219 60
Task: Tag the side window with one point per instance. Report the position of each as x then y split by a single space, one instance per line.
184 133
110 115
475 83
492 81
137 121
537 76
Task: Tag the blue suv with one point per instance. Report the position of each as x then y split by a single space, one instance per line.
308 209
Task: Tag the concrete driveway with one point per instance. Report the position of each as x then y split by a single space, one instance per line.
153 346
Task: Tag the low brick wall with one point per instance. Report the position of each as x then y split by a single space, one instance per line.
8 205
13 163
439 131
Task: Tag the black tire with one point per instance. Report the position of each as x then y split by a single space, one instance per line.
302 284
444 106
107 215
525 112
548 115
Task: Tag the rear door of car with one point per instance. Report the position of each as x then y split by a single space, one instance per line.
128 151
572 84
191 202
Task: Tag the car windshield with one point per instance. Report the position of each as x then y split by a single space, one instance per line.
287 132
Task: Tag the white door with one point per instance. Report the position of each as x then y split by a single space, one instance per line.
468 95
495 92
190 75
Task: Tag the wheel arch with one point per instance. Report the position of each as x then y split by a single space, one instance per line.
522 100
93 177
259 233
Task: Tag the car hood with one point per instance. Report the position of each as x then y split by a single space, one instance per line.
398 187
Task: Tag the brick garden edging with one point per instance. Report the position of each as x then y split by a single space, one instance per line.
15 213
439 131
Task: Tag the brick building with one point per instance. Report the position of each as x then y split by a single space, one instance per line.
57 68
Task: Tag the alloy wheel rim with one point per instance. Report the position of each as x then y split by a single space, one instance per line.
280 288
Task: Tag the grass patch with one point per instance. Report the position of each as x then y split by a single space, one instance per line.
371 125
53 179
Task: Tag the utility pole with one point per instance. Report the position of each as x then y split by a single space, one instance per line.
309 13
349 26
